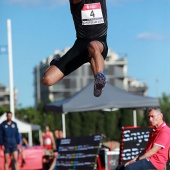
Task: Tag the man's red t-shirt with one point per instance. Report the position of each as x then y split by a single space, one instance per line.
159 136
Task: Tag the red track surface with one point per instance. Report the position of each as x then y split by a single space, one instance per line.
33 158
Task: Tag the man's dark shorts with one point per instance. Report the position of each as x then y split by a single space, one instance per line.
10 149
78 55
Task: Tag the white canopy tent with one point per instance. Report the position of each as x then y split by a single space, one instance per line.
25 127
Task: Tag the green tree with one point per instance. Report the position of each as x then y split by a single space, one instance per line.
165 106
99 123
126 117
4 109
145 121
88 120
111 120
74 124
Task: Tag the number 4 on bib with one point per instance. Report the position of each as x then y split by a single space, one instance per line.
91 14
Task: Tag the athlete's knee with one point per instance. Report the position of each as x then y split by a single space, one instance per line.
93 48
47 77
52 76
46 80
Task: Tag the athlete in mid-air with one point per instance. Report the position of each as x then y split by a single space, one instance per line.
90 20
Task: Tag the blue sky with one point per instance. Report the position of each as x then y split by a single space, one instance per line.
139 29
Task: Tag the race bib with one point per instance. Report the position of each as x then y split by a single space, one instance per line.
91 14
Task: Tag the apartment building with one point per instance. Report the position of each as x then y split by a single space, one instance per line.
5 96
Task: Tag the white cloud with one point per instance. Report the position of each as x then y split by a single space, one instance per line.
151 36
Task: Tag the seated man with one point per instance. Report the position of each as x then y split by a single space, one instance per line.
156 152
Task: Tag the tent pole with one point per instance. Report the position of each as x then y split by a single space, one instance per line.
64 124
30 138
40 136
134 118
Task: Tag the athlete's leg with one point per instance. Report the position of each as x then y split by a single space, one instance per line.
95 49
58 68
66 64
15 157
6 160
51 76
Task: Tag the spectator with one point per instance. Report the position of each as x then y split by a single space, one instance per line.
58 135
48 139
156 152
23 143
48 143
9 140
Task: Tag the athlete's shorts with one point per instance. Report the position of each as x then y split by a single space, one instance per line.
10 149
78 55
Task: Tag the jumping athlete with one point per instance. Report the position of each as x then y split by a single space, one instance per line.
90 20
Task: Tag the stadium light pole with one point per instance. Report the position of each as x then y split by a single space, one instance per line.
9 35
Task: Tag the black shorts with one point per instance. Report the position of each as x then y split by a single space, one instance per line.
78 55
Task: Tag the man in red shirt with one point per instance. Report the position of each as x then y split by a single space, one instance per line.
156 152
